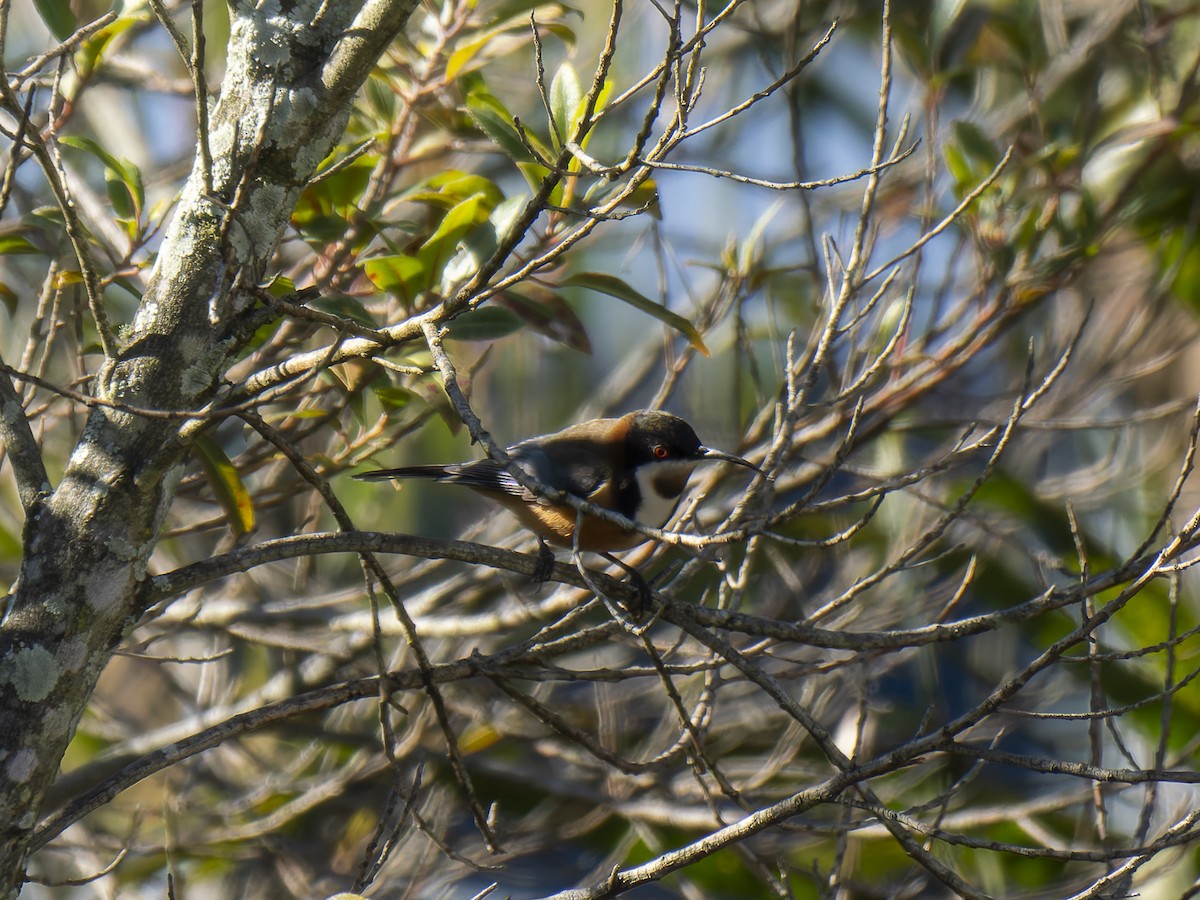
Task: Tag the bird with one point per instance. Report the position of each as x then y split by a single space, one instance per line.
636 465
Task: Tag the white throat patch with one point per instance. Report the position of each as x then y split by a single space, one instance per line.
656 509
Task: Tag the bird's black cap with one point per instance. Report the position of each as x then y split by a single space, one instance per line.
656 436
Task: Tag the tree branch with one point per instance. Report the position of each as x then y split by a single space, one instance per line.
22 448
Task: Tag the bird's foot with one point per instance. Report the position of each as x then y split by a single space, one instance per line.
545 564
644 602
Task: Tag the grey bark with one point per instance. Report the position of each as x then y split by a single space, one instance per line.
283 106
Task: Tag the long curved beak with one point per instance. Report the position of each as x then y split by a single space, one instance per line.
710 453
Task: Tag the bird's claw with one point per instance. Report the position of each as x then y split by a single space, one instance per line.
545 564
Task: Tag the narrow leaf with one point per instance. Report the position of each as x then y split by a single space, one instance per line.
750 251
122 178
230 491
14 244
547 313
615 287
488 323
57 17
497 123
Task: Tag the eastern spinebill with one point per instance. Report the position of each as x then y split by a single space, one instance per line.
637 465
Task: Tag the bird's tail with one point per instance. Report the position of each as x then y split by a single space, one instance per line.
404 472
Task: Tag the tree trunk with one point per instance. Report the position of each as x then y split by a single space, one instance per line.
283 106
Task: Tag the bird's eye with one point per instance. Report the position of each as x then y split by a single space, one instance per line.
661 452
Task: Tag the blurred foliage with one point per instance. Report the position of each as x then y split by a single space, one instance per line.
890 510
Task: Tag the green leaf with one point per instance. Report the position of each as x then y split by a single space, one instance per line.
644 196
283 415
399 275
485 44
345 307
606 91
497 124
49 218
566 100
457 221
120 197
9 298
441 246
93 49
390 395
455 186
227 485
959 167
320 230
481 243
463 54
546 313
488 323
750 251
504 217
487 39
615 287
535 174
11 244
279 286
122 178
57 17
494 119
87 145
976 142
333 196
493 41
128 286
381 97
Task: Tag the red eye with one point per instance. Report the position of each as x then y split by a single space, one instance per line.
661 452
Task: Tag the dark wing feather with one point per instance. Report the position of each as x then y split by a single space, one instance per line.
485 475
574 469
571 466
403 472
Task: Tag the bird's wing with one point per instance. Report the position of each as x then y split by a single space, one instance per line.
573 470
484 475
569 466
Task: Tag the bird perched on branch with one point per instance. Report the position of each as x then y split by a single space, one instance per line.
637 465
